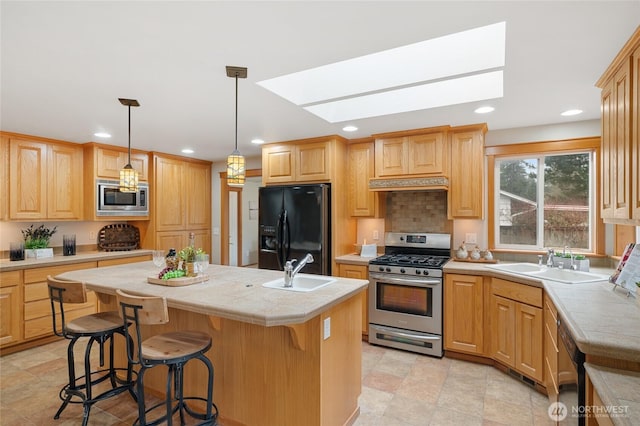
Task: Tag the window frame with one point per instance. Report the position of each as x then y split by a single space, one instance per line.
566 146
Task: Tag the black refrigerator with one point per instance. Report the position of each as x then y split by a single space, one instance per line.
295 220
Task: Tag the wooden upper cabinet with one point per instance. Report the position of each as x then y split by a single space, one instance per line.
44 180
413 154
313 162
620 196
64 195
109 162
466 183
198 197
169 194
277 163
362 201
298 161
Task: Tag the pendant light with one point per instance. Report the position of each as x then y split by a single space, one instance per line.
129 175
235 161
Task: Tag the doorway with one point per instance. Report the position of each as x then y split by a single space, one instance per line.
239 221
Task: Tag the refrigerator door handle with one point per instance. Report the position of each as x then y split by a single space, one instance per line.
279 245
286 237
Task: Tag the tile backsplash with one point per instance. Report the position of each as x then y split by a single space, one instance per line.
417 211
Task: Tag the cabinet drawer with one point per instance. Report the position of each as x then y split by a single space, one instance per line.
40 274
10 278
518 292
43 326
551 322
36 291
42 308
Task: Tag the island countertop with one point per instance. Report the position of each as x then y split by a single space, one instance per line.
231 292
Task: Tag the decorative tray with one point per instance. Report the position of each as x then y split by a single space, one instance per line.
178 282
119 237
468 259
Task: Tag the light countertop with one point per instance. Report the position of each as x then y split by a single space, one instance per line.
353 259
619 391
231 292
58 259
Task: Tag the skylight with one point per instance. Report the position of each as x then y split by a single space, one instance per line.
350 89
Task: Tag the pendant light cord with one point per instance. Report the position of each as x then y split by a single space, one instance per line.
236 111
129 162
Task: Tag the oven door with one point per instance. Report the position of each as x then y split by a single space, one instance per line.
403 302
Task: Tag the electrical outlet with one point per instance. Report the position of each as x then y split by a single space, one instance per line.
92 235
376 236
471 238
327 328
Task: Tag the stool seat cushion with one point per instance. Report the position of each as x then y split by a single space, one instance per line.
100 322
168 346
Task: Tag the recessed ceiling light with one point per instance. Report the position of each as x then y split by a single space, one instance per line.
571 112
484 110
445 92
102 135
257 141
472 51
349 128
187 151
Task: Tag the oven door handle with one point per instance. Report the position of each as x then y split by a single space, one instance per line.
408 281
407 335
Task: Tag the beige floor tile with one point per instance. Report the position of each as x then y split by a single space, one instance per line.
374 401
410 411
382 381
446 417
506 412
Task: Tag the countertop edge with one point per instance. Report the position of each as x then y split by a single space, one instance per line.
606 379
7 265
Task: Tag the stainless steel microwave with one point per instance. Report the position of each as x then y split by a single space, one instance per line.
112 202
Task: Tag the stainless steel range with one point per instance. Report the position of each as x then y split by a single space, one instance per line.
405 292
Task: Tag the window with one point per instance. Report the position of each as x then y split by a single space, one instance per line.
544 199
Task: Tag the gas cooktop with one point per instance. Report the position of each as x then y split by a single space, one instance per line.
417 260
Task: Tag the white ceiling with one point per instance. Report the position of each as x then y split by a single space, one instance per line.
65 64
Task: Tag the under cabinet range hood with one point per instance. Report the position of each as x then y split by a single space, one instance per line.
439 183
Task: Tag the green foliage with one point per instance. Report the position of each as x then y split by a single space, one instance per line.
36 238
188 254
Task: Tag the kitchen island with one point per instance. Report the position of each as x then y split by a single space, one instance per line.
280 357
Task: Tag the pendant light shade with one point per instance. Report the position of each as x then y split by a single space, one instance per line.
129 175
235 161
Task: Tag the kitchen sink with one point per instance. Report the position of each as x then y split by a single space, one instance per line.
566 276
303 283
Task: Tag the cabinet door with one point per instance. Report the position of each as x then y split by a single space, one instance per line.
313 162
463 313
427 154
28 177
202 239
4 177
635 141
64 182
362 201
198 196
277 164
166 240
503 321
10 307
467 174
170 195
111 161
359 272
529 341
608 161
391 157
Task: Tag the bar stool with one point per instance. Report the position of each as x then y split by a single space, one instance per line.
173 349
99 327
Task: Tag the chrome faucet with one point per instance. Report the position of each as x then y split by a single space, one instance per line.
290 271
550 254
573 266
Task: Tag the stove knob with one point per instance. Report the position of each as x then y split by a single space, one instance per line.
388 269
381 268
402 271
425 272
418 272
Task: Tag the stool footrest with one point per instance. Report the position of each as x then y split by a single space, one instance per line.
185 408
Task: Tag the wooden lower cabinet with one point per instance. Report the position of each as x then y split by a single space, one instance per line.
550 376
464 313
516 322
10 307
360 272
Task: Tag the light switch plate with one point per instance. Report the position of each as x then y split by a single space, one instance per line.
471 238
327 328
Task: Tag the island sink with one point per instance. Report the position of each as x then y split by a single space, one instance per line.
566 276
301 282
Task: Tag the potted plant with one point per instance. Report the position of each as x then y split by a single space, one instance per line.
188 257
36 241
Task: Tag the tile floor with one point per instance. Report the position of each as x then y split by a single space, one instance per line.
398 389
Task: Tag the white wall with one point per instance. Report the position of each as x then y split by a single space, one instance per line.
10 231
250 221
